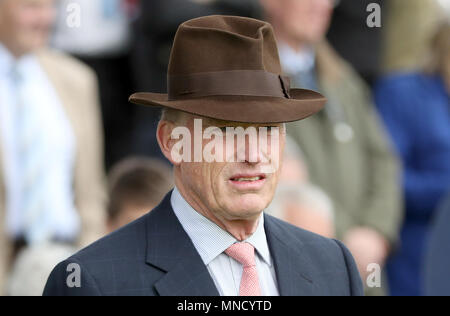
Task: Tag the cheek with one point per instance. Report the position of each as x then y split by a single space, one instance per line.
272 185
191 174
299 12
48 16
217 180
35 21
203 178
295 21
26 18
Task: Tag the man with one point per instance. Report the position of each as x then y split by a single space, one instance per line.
209 236
50 140
345 146
102 42
363 48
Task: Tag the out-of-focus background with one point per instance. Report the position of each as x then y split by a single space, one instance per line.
372 169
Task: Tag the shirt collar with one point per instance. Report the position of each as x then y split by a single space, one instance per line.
209 239
296 61
8 62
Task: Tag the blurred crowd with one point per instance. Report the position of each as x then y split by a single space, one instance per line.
77 160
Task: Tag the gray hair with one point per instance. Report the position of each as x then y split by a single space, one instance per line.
173 116
307 195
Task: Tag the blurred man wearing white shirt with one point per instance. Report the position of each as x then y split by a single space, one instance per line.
50 143
98 33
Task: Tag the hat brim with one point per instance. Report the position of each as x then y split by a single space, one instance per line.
243 109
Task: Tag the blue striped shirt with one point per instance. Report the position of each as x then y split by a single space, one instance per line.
211 241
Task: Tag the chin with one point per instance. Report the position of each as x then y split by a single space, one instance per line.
248 205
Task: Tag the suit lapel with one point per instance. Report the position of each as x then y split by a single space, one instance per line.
68 101
292 266
170 249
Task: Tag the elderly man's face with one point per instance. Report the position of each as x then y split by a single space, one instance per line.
25 24
233 190
306 20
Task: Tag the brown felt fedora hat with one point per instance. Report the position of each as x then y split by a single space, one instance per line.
227 68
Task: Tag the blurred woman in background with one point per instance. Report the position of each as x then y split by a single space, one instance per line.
416 110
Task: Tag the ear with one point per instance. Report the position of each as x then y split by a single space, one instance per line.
165 141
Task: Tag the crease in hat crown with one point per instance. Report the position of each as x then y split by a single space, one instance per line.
228 68
223 43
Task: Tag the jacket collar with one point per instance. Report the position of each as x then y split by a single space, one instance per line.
292 264
208 238
170 249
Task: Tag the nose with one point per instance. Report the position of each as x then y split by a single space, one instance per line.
251 152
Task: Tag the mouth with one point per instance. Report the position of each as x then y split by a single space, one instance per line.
248 181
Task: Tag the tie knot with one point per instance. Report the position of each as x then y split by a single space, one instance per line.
243 252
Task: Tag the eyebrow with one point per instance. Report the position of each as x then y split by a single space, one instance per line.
239 124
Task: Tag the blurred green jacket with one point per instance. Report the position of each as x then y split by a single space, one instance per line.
360 175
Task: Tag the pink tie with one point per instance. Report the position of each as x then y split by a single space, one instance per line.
244 253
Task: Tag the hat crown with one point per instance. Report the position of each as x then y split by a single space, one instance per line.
223 43
228 68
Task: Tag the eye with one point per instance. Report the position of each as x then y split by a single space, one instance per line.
271 128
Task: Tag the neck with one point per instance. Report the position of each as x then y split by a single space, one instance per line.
239 229
16 53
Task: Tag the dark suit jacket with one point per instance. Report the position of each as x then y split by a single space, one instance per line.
155 256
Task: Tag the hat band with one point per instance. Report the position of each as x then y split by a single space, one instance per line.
257 83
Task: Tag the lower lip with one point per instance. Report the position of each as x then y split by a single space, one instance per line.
248 185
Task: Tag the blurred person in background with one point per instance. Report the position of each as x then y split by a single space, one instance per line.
101 38
33 267
136 186
154 31
437 257
346 150
416 109
296 200
354 40
407 28
50 138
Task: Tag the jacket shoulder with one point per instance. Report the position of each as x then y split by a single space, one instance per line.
331 264
334 71
319 248
298 234
117 243
66 65
101 265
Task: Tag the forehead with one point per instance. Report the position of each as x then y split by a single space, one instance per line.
221 123
19 3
